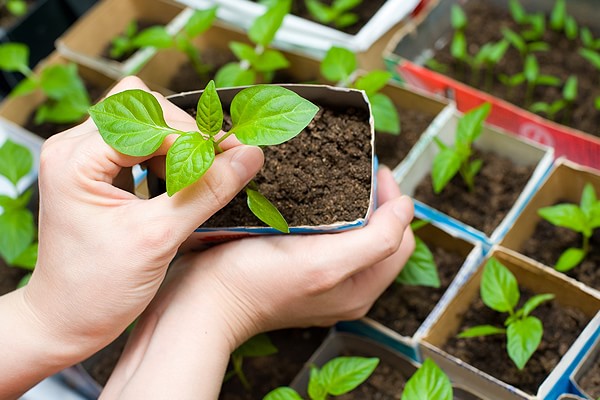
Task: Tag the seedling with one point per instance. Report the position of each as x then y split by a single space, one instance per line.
18 244
17 8
489 55
132 122
420 269
337 377
569 96
458 47
522 46
67 97
531 76
258 346
500 291
339 13
592 56
452 160
158 37
560 20
587 39
257 63
583 219
429 382
340 65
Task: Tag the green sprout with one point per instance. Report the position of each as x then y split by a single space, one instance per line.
132 122
569 95
592 56
561 21
18 244
518 13
457 160
522 46
340 65
18 8
429 382
258 346
67 98
582 219
257 61
339 13
489 55
420 269
337 377
531 76
500 291
458 47
158 37
587 39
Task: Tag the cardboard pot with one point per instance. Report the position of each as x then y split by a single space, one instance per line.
584 368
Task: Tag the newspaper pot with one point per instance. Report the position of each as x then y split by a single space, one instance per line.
537 279
89 39
520 151
402 326
564 184
585 376
416 43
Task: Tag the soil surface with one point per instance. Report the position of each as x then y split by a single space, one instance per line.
497 187
101 365
403 308
590 382
392 149
7 19
365 11
562 325
267 373
537 248
484 25
142 24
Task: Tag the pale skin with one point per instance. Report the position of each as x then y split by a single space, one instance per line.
104 262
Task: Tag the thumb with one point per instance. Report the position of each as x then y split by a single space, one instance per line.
183 212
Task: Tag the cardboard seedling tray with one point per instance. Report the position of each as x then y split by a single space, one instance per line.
588 360
536 278
86 41
416 42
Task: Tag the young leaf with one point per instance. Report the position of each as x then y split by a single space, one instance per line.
514 39
499 288
470 125
283 393
200 21
24 281
266 211
209 112
61 81
458 47
18 230
270 60
319 11
385 114
532 69
534 302
570 89
588 201
14 57
458 18
343 374
131 122
28 258
316 386
420 269
569 259
338 64
264 28
591 56
481 330
429 382
155 36
373 82
16 7
565 215
24 87
558 15
446 164
15 161
571 28
71 108
517 11
257 346
232 74
267 115
243 51
187 160
522 339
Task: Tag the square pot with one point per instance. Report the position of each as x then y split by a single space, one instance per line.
519 150
530 276
86 41
585 368
564 184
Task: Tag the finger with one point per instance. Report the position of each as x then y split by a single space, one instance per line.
387 188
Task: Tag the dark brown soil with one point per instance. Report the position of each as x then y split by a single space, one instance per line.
321 176
562 325
7 19
267 373
537 248
497 187
590 382
392 149
142 24
484 25
403 308
101 365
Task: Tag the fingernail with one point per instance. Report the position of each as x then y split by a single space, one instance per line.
246 162
403 208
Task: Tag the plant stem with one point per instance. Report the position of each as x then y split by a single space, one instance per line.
529 94
586 244
237 367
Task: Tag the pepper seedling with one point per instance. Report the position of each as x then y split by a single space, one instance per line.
458 47
340 65
337 377
457 160
587 39
429 382
420 269
582 219
158 37
258 346
257 63
338 14
67 98
18 244
531 76
17 8
522 46
499 291
569 95
561 21
132 122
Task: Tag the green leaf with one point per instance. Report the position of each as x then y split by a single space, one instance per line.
243 51
257 346
270 60
473 169
418 224
548 80
385 114
591 56
570 89
470 125
565 215
458 17
587 38
60 81
266 211
571 28
420 269
28 258
265 27
569 259
267 115
16 7
588 201
131 122
446 165
514 39
345 20
559 15
18 230
232 74
534 302
481 330
209 112
14 57
316 386
532 69
343 374
9 203
200 21
540 107
458 47
537 27
283 393
499 288
517 11
155 36
69 109
345 5
187 160
538 47
24 87
373 81
522 339
429 382
24 281
338 64
16 161
320 11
